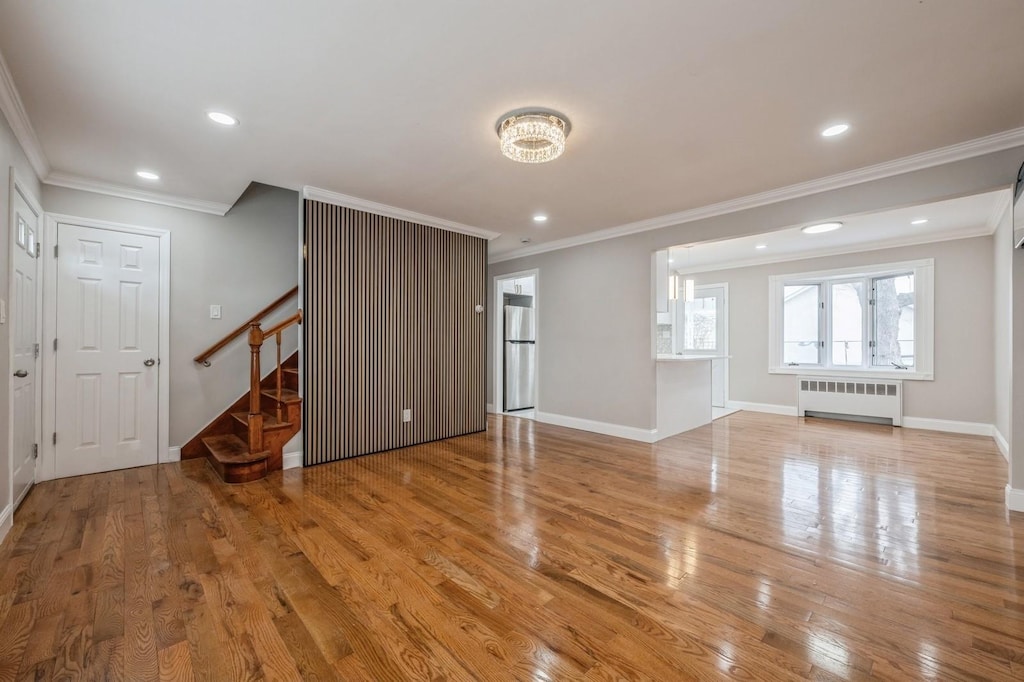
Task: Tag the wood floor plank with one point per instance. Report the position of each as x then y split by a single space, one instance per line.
757 547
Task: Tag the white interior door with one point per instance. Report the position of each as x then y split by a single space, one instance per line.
24 344
107 402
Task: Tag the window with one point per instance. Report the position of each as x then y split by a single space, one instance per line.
874 321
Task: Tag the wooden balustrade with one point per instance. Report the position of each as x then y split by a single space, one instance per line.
257 337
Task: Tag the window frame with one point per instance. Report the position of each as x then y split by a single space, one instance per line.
924 320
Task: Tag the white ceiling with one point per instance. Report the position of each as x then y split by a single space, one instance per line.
951 219
674 104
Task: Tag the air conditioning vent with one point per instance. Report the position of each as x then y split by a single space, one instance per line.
834 396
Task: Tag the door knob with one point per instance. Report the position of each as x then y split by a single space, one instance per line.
21 374
149 363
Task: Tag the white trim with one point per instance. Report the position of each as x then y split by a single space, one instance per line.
16 186
936 157
784 410
498 356
617 430
291 460
1014 499
949 426
6 521
46 467
338 199
126 192
1000 439
173 455
839 372
14 111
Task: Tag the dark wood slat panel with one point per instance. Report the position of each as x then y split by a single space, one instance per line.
390 326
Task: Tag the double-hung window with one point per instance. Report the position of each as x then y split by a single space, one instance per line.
874 321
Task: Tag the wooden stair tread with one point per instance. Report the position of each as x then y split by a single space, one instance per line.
288 396
270 422
231 449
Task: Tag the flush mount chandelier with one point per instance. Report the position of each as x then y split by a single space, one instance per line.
533 135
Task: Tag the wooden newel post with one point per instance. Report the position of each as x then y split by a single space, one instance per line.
255 412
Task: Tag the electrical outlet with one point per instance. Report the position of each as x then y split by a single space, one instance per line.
214 312
407 415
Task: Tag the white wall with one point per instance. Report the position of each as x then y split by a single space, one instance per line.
11 155
242 261
596 306
962 389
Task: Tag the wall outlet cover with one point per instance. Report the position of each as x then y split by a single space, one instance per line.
406 415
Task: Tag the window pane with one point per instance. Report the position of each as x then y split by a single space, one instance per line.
894 321
847 324
700 324
800 337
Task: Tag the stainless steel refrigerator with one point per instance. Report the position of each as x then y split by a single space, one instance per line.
520 358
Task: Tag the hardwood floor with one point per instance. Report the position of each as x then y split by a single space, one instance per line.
757 547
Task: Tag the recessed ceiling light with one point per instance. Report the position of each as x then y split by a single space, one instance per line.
919 221
822 227
761 246
540 218
147 175
837 129
222 118
671 260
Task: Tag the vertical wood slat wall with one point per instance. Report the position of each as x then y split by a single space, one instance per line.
389 325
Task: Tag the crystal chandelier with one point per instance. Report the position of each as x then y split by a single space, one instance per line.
533 135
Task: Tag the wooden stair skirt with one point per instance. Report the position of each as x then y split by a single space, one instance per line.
224 442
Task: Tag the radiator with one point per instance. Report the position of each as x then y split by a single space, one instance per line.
833 396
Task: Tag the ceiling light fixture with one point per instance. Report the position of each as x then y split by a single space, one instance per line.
919 221
821 227
147 175
837 129
761 246
222 118
540 218
533 135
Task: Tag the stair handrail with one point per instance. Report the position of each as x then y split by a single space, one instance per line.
204 357
257 337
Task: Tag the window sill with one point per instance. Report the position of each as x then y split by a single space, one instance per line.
908 374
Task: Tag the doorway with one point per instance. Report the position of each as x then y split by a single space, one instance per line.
702 328
107 311
25 303
516 344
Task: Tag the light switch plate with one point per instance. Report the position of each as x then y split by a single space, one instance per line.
3 311
214 312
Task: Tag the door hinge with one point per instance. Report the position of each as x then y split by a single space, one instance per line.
35 450
54 437
39 250
35 350
55 344
54 250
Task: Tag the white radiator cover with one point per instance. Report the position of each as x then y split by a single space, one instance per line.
880 398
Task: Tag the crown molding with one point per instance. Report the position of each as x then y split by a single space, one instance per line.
121 191
907 164
14 111
1002 205
337 199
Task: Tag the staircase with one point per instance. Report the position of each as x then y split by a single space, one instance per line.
246 442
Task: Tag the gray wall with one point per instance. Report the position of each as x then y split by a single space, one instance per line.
11 155
1002 263
962 389
594 303
242 261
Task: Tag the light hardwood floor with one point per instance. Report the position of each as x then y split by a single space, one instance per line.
757 547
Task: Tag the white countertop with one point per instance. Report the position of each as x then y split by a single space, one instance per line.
689 358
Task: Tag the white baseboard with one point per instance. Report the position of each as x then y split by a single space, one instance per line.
617 430
173 454
767 408
6 521
490 409
291 460
1000 440
949 426
1014 499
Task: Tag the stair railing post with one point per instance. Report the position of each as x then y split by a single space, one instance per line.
255 411
279 375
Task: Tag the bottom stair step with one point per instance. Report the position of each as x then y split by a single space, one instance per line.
231 457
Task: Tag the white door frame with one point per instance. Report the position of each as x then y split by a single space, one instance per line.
16 185
498 352
46 467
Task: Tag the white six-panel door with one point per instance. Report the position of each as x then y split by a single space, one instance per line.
24 337
107 398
